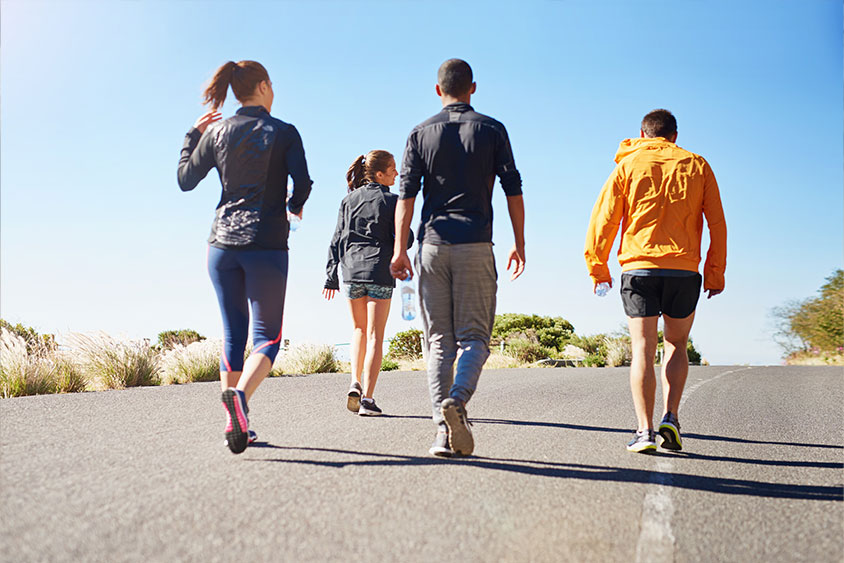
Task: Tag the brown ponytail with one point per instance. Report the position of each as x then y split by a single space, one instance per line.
243 77
363 169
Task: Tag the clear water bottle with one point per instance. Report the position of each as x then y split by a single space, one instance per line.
408 299
602 289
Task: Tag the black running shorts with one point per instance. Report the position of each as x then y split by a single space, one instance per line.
651 296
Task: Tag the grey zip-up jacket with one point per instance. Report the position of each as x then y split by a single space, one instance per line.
253 153
363 239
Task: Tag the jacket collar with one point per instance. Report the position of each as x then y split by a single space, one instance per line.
253 111
458 107
382 187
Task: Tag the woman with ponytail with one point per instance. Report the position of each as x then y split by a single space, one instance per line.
362 245
254 153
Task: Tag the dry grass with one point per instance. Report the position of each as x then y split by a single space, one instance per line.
41 369
198 361
109 363
306 359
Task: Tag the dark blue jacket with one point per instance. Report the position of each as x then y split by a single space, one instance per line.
363 239
253 153
457 153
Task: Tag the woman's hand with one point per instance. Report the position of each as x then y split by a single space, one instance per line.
329 293
207 119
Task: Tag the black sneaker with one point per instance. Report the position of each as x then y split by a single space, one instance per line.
669 429
353 400
643 442
237 423
369 408
440 447
459 434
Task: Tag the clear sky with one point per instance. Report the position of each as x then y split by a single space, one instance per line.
95 99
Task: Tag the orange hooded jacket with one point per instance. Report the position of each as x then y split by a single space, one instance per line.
658 194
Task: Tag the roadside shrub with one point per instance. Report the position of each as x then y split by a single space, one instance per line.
593 345
526 350
172 338
594 361
109 363
198 361
550 332
388 364
35 343
619 351
310 358
406 345
498 360
692 353
35 368
573 352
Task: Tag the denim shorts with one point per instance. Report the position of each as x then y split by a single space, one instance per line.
375 291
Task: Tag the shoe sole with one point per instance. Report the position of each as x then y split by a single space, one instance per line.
441 452
237 436
459 436
363 411
353 402
642 448
670 437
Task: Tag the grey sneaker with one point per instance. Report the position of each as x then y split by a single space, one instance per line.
669 429
440 447
643 442
369 408
459 434
353 400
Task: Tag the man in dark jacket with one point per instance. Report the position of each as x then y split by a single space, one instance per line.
454 158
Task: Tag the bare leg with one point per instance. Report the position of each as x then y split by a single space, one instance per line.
229 379
256 368
377 312
358 309
643 340
675 366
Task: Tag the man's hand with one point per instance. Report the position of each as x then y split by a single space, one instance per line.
516 255
400 266
329 293
710 293
207 119
596 284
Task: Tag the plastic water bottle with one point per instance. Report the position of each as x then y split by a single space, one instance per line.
408 299
602 289
293 220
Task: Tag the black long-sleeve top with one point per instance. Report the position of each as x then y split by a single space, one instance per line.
253 153
364 237
457 153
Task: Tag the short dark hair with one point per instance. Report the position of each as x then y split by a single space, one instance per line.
455 77
659 123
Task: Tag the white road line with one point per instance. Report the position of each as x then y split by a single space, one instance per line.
656 538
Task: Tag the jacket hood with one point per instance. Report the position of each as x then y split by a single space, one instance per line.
629 146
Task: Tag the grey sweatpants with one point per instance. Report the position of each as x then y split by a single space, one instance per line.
457 286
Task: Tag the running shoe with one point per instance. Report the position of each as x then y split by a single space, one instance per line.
369 408
440 447
459 434
643 442
353 401
253 437
237 423
669 429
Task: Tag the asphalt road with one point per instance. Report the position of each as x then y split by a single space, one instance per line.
143 475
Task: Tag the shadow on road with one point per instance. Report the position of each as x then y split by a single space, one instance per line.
575 471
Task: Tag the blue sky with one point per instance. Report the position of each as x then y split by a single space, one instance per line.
96 97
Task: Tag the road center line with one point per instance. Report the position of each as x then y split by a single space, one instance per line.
656 538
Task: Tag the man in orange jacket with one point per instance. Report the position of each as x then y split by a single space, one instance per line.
658 194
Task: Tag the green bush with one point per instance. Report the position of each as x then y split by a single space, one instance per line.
594 345
406 345
594 361
170 338
550 332
388 364
816 324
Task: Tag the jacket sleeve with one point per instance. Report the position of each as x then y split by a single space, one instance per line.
603 226
196 160
412 169
298 169
331 279
716 257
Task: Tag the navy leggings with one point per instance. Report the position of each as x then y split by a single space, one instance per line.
241 278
